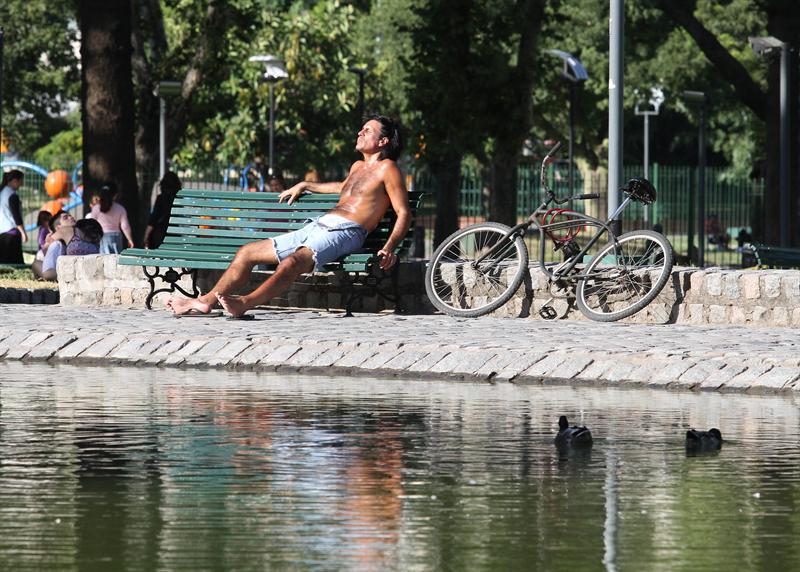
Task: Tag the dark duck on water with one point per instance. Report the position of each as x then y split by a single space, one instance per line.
572 436
710 440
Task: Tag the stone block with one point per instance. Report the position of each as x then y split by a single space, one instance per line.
229 352
103 347
760 315
714 284
50 346
330 356
280 354
731 287
65 268
791 287
166 350
22 348
718 378
738 315
776 378
696 282
464 362
747 377
78 346
771 284
750 282
696 314
126 297
718 314
187 350
780 316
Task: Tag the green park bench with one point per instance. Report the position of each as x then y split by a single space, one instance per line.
207 227
766 256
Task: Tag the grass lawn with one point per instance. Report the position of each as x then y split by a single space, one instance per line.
22 278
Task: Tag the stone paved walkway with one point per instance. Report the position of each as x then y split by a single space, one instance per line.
522 351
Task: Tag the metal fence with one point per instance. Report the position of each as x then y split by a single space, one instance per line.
731 206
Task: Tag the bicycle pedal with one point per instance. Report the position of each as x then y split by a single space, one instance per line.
548 313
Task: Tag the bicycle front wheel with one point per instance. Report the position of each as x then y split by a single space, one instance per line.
459 285
625 276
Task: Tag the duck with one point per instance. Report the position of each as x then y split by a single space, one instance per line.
710 440
572 436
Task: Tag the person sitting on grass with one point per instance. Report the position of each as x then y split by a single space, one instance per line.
373 185
70 237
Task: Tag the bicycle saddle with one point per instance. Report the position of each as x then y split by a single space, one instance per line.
641 190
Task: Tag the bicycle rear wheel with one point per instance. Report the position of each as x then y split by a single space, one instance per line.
625 276
459 286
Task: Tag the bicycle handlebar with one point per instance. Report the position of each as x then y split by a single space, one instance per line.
545 162
552 151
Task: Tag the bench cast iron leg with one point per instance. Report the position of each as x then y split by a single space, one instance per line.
171 277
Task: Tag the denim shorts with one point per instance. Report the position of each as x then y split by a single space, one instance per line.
328 237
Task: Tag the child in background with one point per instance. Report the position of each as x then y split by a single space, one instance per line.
113 217
42 222
95 200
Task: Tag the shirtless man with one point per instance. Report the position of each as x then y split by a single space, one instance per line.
373 184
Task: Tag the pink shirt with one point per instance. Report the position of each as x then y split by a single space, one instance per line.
115 219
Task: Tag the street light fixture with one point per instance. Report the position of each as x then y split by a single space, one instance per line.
769 47
574 73
275 71
360 71
655 101
699 99
162 90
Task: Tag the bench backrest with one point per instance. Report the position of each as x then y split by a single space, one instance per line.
222 221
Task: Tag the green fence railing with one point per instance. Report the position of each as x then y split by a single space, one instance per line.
730 205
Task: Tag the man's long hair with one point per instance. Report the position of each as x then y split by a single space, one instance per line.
391 130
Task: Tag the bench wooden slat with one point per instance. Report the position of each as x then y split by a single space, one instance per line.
299 206
299 216
198 223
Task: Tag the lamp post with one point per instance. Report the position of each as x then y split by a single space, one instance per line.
2 33
616 84
162 90
699 99
360 71
274 72
573 72
769 47
655 101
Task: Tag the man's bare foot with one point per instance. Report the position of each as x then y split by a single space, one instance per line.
234 305
181 306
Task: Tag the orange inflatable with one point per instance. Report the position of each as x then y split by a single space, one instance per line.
57 184
54 206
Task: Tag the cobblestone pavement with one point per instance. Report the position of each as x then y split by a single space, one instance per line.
523 351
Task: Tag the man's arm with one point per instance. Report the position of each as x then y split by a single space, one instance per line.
396 189
323 188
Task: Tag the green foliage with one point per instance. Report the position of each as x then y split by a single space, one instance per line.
40 70
64 150
315 123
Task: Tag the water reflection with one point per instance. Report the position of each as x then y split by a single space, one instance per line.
148 469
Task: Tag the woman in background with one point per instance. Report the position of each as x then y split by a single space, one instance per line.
113 218
158 222
12 229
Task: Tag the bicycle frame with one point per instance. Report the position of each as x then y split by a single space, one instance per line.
566 268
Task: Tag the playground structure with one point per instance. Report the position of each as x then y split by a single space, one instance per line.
46 190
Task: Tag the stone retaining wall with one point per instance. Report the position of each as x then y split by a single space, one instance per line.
692 296
98 280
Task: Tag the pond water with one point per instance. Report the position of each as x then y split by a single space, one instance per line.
162 469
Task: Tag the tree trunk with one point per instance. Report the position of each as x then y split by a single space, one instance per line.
107 102
503 196
510 133
446 173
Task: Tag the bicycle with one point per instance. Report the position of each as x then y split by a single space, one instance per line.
477 269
